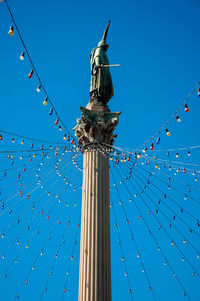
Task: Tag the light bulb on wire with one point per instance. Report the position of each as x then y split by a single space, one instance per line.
22 56
167 132
186 108
158 140
178 118
11 31
45 102
198 92
30 75
38 88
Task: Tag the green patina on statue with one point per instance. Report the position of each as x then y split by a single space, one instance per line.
101 87
97 123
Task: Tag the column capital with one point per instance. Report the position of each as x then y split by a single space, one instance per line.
96 126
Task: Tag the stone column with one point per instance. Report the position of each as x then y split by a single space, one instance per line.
94 130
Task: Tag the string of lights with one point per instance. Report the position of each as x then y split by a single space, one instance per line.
171 166
41 252
29 184
119 150
174 180
37 230
25 196
171 223
122 253
27 169
167 196
27 227
71 260
121 157
29 157
166 260
174 115
133 236
33 205
19 173
173 243
29 207
132 151
157 210
27 138
49 164
182 209
34 70
17 240
176 162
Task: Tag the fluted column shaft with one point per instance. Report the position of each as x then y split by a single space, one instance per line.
95 260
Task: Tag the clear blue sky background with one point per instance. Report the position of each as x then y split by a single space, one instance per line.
157 44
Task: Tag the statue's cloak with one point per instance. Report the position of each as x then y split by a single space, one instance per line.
101 86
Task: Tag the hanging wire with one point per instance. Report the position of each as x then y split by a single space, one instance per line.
29 193
40 253
174 179
156 242
40 212
71 259
34 68
171 166
181 192
122 253
167 233
181 208
176 162
163 213
158 209
32 139
11 207
36 231
170 198
30 207
132 236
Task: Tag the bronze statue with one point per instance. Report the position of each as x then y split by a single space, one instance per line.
97 122
101 87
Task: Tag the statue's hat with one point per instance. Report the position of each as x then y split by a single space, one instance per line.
103 40
106 32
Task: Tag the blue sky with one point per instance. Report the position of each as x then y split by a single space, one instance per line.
157 44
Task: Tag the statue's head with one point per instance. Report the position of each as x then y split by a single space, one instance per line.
103 45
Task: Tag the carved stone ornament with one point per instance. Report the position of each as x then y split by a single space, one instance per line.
96 126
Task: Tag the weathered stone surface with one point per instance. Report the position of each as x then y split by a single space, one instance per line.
96 126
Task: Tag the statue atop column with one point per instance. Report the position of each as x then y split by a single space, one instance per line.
101 87
97 122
